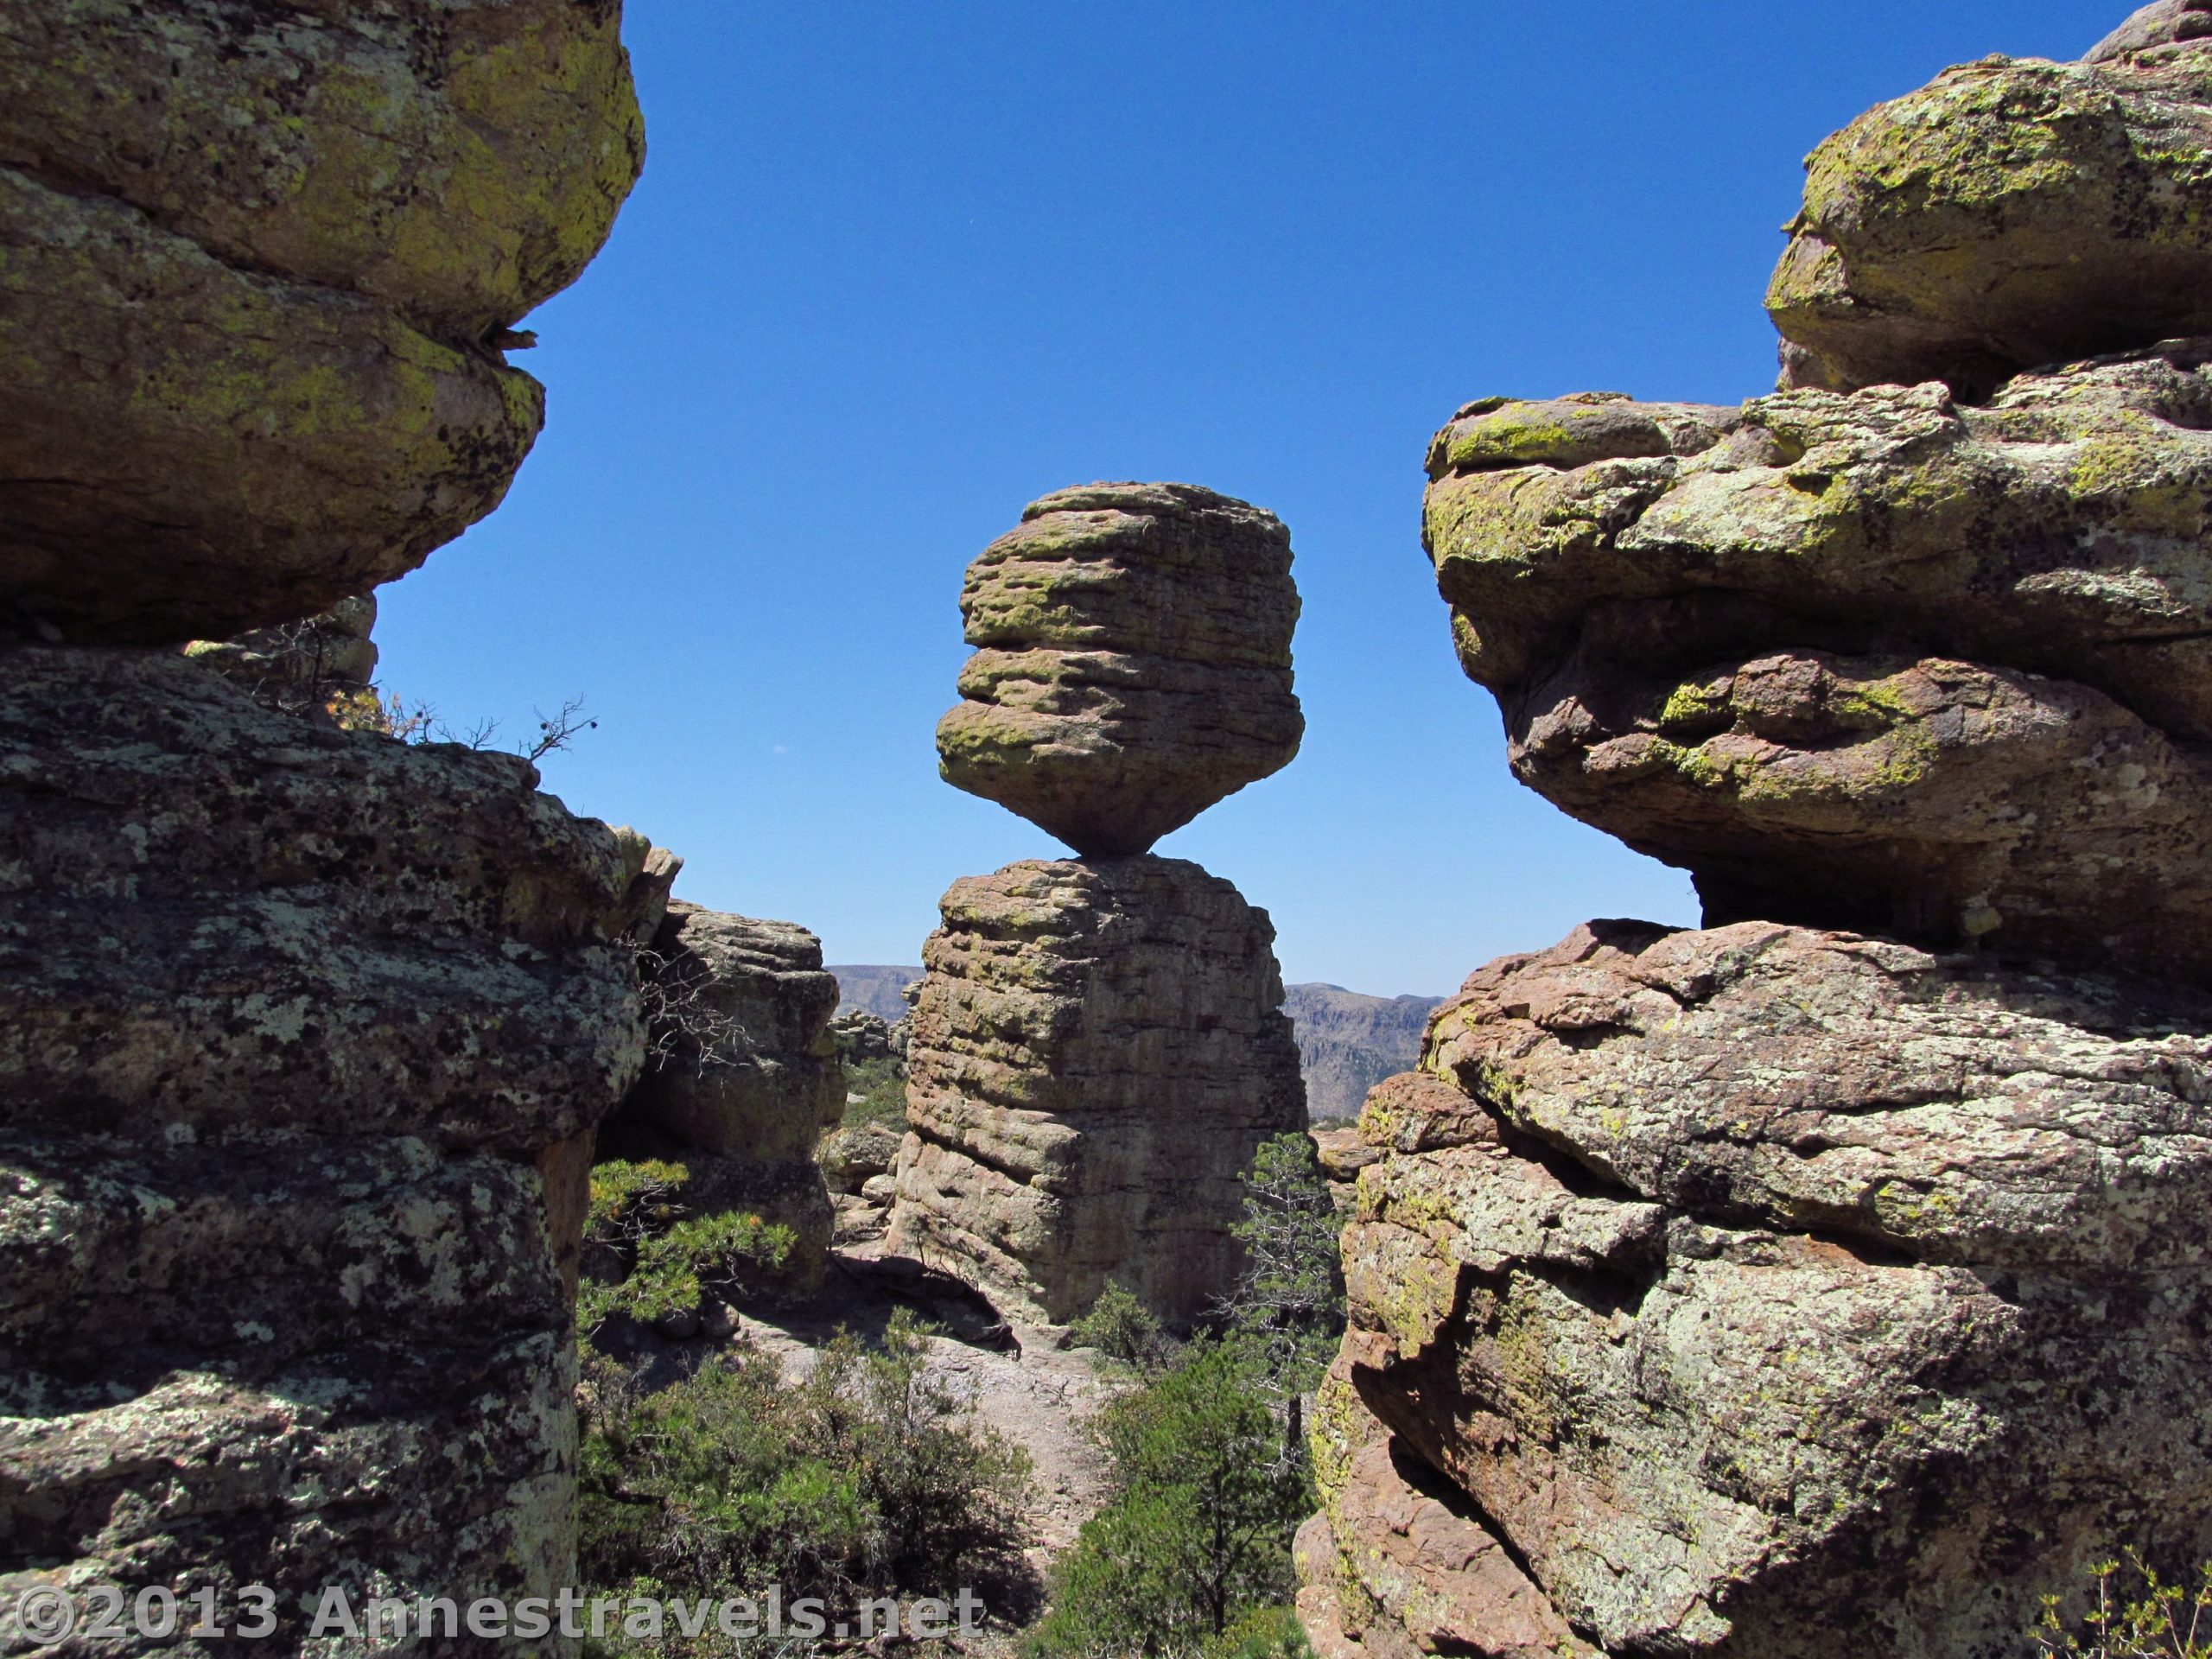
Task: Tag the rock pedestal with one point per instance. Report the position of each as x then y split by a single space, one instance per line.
1829 1283
1098 1051
1098 1047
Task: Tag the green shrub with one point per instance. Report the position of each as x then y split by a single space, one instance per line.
2144 1617
1264 1633
1196 1534
874 1093
1122 1327
646 1257
864 1478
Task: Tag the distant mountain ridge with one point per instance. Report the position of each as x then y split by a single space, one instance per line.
875 989
1347 1042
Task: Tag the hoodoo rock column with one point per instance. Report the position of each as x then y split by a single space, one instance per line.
1831 1283
1098 1046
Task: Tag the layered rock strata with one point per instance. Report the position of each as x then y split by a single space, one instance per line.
299 665
304 1036
1828 1283
1881 660
250 377
1098 1049
1131 665
743 1077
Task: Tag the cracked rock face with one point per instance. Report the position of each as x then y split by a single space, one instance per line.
1725 1280
2013 212
1877 660
305 1034
1098 1049
744 1076
253 379
1132 663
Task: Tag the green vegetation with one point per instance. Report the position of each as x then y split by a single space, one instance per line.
880 1091
863 1478
2145 1618
647 1256
1190 1559
1122 1328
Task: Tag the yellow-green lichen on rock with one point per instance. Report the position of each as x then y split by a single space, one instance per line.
458 161
255 268
2012 213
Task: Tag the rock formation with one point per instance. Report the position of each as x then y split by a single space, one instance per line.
251 379
1829 1281
1098 1049
1097 1046
1132 664
2014 212
742 1077
306 1030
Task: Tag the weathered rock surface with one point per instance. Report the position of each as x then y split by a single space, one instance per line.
1740 1277
1396 1567
251 379
2012 213
280 663
1098 1049
1132 663
1876 659
743 1076
302 1037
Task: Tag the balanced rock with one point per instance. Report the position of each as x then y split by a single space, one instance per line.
250 377
1098 1051
1730 1278
2014 212
1132 663
302 1038
742 1076
1879 660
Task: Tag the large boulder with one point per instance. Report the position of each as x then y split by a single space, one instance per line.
1880 659
1098 1051
1732 1278
2014 212
1132 663
742 1076
250 378
302 1038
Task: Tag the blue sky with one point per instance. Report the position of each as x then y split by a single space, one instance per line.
895 270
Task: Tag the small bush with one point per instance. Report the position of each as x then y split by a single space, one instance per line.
864 1478
2140 1617
874 1093
1264 1633
646 1257
1122 1327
